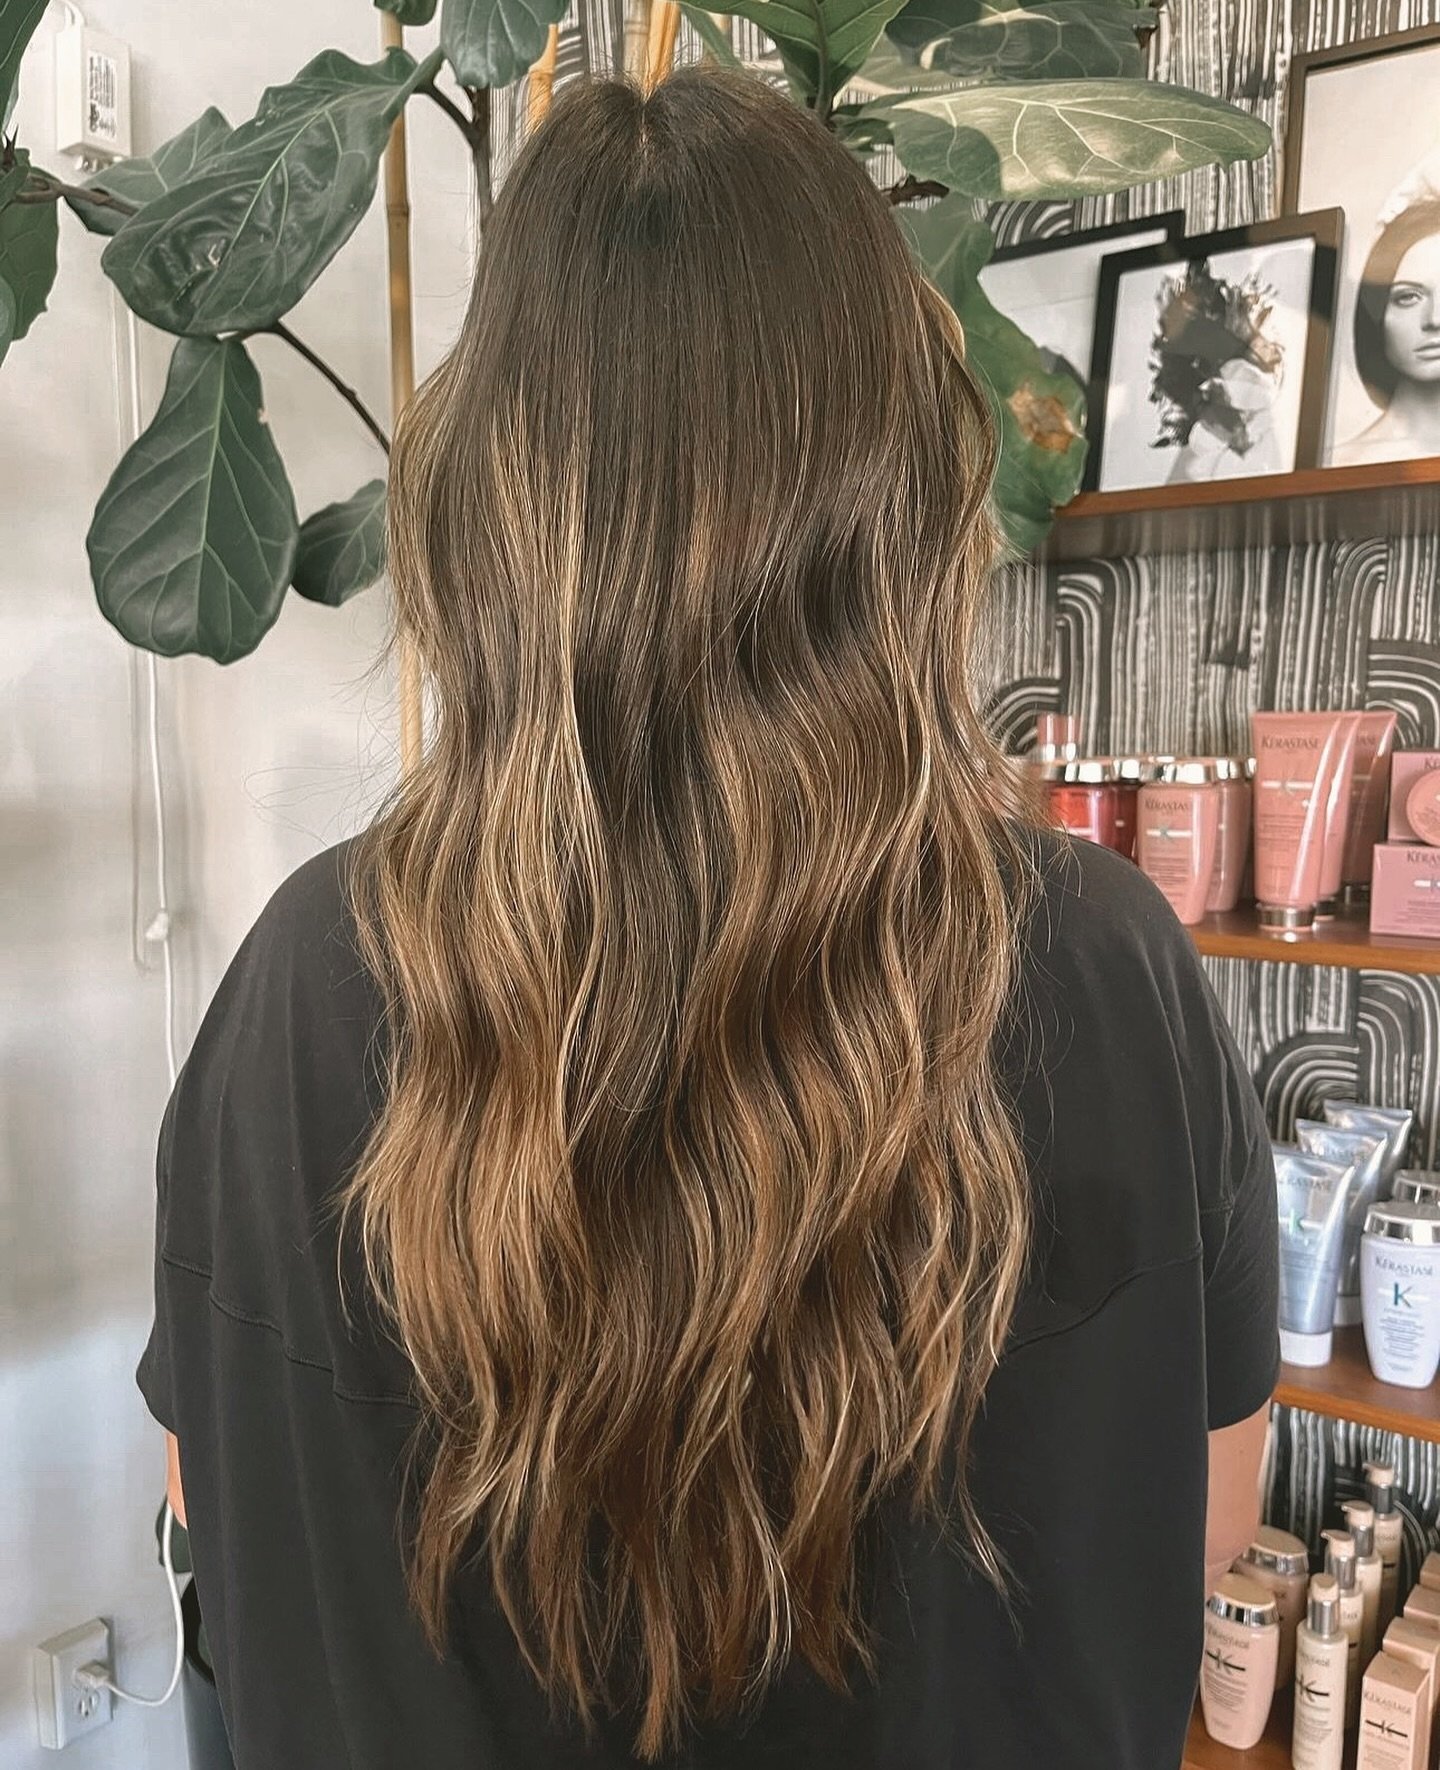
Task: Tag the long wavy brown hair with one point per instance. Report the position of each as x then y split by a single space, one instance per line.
696 1198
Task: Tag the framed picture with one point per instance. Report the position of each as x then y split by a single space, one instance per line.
1211 353
1049 287
1364 132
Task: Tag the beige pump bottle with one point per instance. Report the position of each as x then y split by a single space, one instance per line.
1369 1574
1321 1655
1340 1564
1389 1530
1237 1674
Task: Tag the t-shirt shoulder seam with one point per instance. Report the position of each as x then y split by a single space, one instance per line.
250 1318
1146 1270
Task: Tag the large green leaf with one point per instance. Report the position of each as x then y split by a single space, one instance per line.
9 316
1040 414
28 236
235 245
18 19
708 29
921 22
409 12
193 540
147 177
888 72
492 42
342 547
821 42
1052 40
1067 139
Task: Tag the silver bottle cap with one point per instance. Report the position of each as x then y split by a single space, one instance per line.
1152 767
1380 1487
1243 1601
1360 1520
1189 771
1323 1613
1417 1186
1088 771
1284 919
1130 769
1340 1558
1277 1551
1417 1224
1227 768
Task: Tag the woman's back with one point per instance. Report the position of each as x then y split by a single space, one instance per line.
1146 1323
797 1225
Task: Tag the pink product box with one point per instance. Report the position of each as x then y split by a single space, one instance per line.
1405 890
1406 769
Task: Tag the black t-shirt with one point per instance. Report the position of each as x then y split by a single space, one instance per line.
1150 1319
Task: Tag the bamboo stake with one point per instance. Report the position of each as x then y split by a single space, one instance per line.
541 87
402 372
637 38
664 30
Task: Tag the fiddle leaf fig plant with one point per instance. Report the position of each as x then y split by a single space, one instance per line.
217 234
985 101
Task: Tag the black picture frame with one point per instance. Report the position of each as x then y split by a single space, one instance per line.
1390 134
1339 55
1104 239
1324 227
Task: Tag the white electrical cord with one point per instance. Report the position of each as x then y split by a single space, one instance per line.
158 932
93 1676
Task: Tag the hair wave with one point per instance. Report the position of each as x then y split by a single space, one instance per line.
695 1198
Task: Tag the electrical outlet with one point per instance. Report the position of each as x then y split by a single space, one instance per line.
63 1708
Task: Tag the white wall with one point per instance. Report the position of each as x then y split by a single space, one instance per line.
267 761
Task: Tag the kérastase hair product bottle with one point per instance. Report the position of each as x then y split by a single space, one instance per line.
1237 1674
1389 1529
1340 1565
1281 1563
1321 1656
1369 1573
1400 1293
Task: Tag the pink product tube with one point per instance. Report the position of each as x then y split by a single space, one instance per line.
1296 757
1422 807
1179 829
1232 838
1368 789
1405 890
1337 818
1406 767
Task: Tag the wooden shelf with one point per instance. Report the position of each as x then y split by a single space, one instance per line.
1346 941
1347 1389
1276 509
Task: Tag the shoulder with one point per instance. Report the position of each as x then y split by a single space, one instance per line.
1134 1102
1099 925
288 1042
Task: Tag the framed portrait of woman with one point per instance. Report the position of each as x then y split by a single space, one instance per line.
1211 353
1363 132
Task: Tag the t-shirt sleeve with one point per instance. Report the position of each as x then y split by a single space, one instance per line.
156 1372
1241 1243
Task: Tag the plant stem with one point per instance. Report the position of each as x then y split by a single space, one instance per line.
824 97
912 190
479 97
42 188
347 393
451 110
